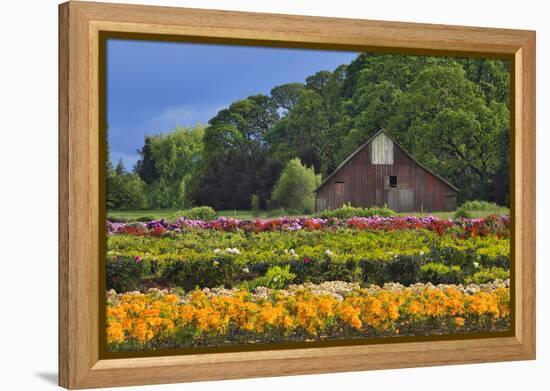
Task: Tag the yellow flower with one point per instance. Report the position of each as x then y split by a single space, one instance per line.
115 333
142 317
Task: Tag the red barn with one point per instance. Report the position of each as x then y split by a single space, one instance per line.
381 173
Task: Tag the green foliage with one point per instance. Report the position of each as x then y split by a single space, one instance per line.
294 189
277 277
286 95
170 165
481 205
126 275
347 211
255 205
402 268
237 162
462 213
120 169
456 136
439 273
207 258
223 270
125 191
488 275
197 213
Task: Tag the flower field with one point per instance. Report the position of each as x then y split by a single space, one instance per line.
191 283
309 312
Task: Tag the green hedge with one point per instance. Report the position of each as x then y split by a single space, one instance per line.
348 211
199 257
198 213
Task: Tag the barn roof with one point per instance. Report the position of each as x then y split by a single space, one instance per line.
350 157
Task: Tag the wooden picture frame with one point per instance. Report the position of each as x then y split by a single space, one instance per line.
80 211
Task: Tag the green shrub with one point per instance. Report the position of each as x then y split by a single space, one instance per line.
200 257
125 275
144 218
439 273
461 212
294 188
347 211
480 205
192 273
488 275
402 269
198 213
130 219
276 277
125 191
255 205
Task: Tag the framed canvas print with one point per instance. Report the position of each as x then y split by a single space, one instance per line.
247 195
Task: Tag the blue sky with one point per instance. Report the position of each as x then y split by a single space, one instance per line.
152 87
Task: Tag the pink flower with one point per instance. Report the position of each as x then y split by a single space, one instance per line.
137 258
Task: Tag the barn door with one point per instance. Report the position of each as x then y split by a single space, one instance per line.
338 194
401 200
449 202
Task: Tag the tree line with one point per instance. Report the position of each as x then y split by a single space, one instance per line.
452 114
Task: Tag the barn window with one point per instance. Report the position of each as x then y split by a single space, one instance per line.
393 180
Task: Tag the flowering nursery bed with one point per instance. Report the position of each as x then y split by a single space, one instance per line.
217 317
208 254
190 283
496 225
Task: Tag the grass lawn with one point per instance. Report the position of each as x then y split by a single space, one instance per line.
247 214
169 214
137 214
450 215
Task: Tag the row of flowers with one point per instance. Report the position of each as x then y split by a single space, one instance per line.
306 312
493 224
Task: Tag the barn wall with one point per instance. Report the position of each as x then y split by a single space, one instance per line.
364 184
382 150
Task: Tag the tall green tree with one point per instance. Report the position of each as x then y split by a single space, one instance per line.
285 96
295 188
170 166
236 154
450 125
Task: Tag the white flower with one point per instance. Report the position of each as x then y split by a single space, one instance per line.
329 253
275 279
232 250
292 252
245 270
421 253
217 251
476 265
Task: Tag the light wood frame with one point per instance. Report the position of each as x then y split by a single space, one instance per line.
79 221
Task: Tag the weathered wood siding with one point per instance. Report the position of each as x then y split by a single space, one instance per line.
364 184
382 150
